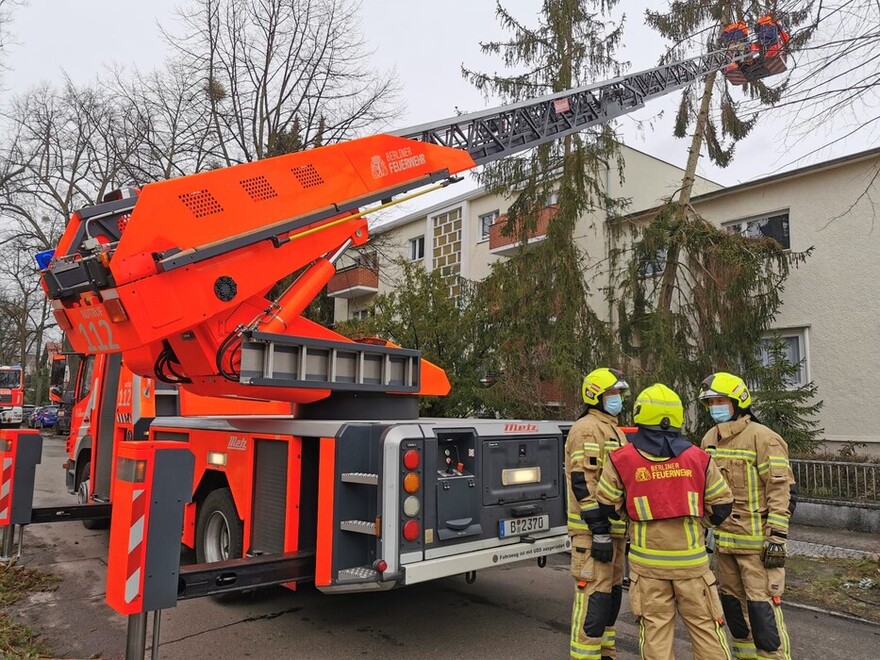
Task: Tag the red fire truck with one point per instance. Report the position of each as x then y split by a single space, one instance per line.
11 395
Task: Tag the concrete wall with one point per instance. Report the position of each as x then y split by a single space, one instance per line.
839 516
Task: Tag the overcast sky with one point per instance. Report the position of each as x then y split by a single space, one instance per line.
425 41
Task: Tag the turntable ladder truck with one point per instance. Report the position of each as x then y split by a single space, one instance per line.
352 491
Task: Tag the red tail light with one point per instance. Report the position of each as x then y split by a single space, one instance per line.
411 459
411 530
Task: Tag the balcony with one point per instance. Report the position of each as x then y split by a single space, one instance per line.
508 245
354 282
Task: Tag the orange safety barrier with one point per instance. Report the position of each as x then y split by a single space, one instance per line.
153 482
20 453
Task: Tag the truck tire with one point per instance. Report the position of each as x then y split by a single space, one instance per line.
82 496
219 530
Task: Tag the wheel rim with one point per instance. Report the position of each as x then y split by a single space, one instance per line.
82 493
217 537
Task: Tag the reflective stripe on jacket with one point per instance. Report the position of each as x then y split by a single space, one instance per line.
589 441
754 461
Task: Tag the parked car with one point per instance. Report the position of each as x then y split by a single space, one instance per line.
32 419
27 410
48 417
62 426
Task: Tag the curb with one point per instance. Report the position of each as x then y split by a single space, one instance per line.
836 615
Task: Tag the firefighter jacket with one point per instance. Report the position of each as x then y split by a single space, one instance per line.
754 461
669 548
586 448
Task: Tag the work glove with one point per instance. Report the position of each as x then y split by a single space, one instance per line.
602 549
773 554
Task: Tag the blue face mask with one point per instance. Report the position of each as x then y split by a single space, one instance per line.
720 414
613 404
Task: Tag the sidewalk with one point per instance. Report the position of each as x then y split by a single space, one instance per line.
807 541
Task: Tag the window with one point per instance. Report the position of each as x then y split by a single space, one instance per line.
85 377
794 345
770 226
368 260
362 314
417 248
656 267
486 221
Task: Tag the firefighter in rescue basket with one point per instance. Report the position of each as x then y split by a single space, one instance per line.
598 547
751 543
668 489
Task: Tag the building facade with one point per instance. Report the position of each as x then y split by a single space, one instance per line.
830 316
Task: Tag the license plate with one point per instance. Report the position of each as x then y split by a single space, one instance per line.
520 526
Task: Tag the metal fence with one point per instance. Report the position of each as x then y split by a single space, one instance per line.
837 480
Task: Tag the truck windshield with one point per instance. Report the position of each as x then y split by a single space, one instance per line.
10 378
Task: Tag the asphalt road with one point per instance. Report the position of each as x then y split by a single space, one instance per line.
513 612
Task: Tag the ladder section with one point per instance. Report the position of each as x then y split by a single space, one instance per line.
282 361
493 134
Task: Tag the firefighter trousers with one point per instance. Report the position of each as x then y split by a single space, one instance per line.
654 603
597 595
750 595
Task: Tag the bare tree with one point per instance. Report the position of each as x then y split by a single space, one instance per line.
281 74
70 144
66 149
168 118
24 312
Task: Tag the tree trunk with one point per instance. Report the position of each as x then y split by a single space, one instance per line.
670 273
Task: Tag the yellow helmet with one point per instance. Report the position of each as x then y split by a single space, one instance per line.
659 406
725 384
599 381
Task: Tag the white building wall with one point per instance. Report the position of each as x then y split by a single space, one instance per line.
832 300
834 297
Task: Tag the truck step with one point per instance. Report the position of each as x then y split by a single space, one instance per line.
275 360
367 478
357 574
358 526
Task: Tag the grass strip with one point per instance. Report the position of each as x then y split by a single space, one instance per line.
16 639
833 584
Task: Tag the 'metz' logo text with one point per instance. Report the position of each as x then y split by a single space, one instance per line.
520 428
237 443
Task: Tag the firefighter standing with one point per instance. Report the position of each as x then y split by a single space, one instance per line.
598 548
666 486
750 544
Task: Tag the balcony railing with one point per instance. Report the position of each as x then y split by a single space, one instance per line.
354 282
506 245
837 480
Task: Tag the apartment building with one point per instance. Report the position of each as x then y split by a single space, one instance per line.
830 316
463 235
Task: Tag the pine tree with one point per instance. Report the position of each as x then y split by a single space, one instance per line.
693 299
538 300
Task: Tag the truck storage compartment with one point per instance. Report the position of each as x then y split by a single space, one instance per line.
520 469
458 499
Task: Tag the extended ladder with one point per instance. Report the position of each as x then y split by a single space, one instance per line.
499 132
